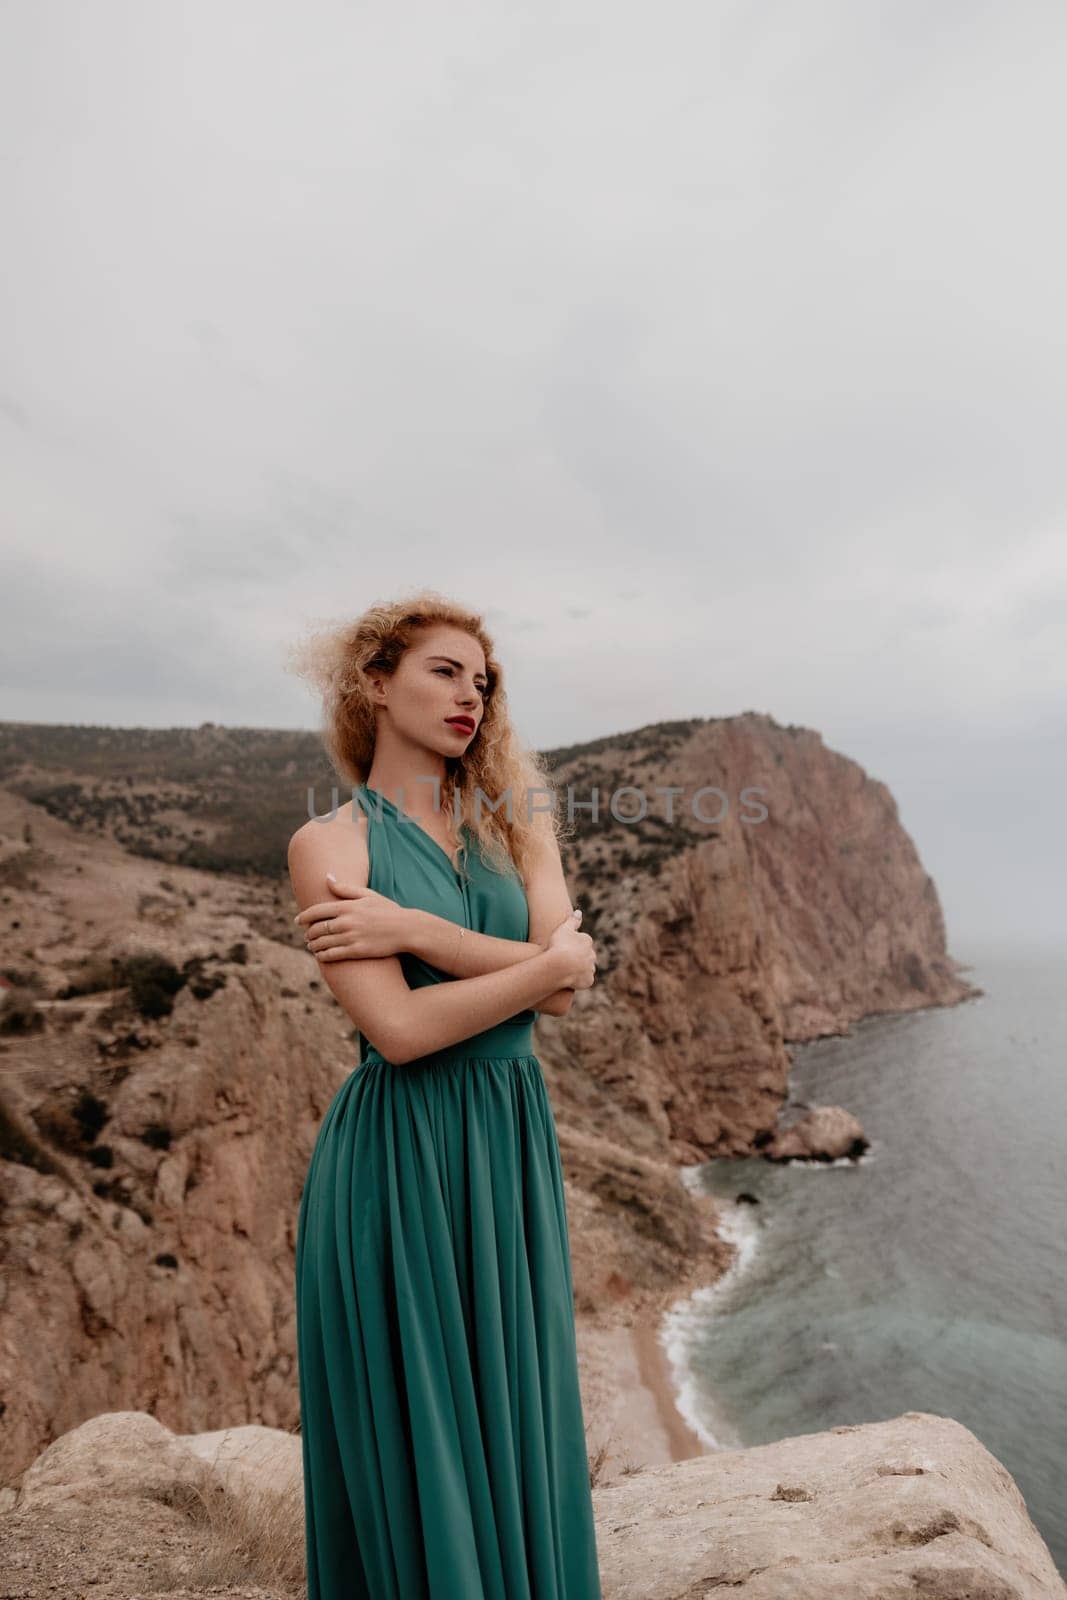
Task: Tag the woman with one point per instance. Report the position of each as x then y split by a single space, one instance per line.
443 1437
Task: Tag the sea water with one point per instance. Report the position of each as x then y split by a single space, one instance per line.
927 1276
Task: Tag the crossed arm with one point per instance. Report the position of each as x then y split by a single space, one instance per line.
433 939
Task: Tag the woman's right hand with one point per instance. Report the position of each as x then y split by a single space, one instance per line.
578 950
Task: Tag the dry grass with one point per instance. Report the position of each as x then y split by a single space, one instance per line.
598 1455
249 1535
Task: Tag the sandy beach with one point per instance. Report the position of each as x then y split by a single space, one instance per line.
628 1395
627 1377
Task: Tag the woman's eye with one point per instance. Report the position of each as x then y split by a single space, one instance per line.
482 688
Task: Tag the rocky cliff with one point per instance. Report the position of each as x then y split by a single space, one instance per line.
803 909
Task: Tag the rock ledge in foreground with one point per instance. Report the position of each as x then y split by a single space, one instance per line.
913 1508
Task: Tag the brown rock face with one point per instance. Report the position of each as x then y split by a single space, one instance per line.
152 1151
723 941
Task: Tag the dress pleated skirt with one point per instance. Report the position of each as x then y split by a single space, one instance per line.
443 1437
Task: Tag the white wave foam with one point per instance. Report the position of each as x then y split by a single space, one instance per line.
691 1315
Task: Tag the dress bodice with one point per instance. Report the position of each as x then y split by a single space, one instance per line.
411 868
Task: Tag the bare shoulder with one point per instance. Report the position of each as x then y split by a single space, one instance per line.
335 844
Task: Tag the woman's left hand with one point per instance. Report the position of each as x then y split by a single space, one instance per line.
361 923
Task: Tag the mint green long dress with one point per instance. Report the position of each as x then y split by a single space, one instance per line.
443 1439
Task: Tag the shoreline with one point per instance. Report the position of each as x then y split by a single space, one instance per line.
628 1396
627 1368
655 1372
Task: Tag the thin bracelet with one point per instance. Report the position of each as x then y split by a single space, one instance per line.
459 945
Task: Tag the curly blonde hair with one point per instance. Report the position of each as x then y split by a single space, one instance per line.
335 659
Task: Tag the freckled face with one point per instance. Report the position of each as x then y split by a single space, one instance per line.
441 677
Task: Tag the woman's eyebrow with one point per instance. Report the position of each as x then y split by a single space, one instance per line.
453 663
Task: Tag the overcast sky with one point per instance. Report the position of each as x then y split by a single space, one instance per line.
717 351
